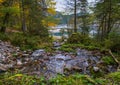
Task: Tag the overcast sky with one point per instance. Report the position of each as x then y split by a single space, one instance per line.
60 5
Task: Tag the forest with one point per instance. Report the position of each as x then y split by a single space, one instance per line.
31 55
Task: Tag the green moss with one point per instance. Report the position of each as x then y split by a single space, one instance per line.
17 79
67 49
76 79
27 41
108 60
73 47
91 47
114 78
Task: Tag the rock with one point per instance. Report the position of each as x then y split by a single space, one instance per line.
46 58
96 69
76 68
17 48
59 70
56 44
72 68
19 62
38 53
2 57
63 57
50 64
85 64
68 66
25 55
2 68
5 67
59 57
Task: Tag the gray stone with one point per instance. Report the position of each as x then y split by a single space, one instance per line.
96 69
63 57
19 62
38 53
2 57
85 64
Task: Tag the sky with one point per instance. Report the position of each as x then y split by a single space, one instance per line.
60 4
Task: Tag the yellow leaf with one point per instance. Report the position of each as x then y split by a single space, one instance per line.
51 11
1 1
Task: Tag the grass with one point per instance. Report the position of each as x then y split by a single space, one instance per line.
76 79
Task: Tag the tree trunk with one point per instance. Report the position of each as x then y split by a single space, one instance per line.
24 27
109 18
5 22
75 16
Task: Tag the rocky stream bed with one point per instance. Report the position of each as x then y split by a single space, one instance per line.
42 63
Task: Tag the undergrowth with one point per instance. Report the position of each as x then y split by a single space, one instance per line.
27 41
76 79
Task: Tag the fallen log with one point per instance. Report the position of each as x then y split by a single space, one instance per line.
115 59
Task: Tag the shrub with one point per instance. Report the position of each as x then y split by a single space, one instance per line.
78 38
113 42
26 41
4 37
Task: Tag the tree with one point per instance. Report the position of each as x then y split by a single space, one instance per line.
27 14
73 6
75 15
84 15
79 7
6 9
23 21
107 14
